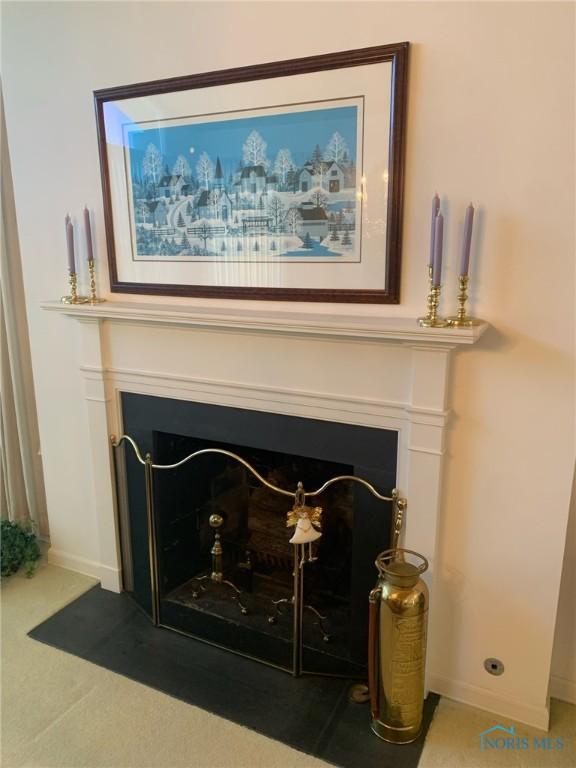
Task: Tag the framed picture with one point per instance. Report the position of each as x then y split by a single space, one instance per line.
275 181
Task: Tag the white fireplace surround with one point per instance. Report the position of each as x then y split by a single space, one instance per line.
359 369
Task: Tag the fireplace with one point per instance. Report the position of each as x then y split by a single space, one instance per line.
254 617
357 367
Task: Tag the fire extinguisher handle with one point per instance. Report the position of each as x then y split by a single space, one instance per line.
373 615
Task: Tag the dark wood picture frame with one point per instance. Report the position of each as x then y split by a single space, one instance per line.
395 54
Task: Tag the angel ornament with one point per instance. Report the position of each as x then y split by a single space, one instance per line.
305 519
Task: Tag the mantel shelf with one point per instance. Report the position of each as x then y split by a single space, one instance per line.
286 322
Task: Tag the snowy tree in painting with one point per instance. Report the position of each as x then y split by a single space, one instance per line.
317 155
205 169
293 220
181 167
276 212
153 163
254 150
319 198
204 232
336 149
283 165
318 164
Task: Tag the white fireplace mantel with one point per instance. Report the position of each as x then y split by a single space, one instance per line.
343 324
352 366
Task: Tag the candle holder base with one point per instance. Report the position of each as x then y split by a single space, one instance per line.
432 322
431 319
461 319
94 300
462 322
75 300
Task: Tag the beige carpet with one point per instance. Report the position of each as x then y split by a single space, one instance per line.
62 712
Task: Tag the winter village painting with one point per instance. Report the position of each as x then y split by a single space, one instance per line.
279 184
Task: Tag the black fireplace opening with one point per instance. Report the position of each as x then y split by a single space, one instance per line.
254 617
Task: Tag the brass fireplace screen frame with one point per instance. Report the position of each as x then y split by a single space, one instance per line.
299 497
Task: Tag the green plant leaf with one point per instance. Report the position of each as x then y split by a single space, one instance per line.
18 547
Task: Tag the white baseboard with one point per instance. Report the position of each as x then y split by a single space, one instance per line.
561 688
538 717
110 578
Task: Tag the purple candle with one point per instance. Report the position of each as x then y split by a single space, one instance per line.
438 237
468 221
88 230
435 211
70 244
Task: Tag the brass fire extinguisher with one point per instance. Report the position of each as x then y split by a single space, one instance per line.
397 645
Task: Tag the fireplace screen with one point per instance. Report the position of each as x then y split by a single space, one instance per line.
245 553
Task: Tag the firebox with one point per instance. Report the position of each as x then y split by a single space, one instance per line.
221 514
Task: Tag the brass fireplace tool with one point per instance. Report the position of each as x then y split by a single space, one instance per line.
216 576
305 519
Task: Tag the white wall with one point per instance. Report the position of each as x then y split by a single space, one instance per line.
563 679
490 119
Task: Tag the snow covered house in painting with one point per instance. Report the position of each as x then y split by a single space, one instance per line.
272 183
313 220
305 179
214 204
171 185
334 177
152 213
329 176
261 193
253 179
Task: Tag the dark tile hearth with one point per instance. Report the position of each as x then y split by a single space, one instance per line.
312 714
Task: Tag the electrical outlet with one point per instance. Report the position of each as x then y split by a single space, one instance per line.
494 666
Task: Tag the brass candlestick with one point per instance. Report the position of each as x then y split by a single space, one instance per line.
461 319
73 297
93 298
431 319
